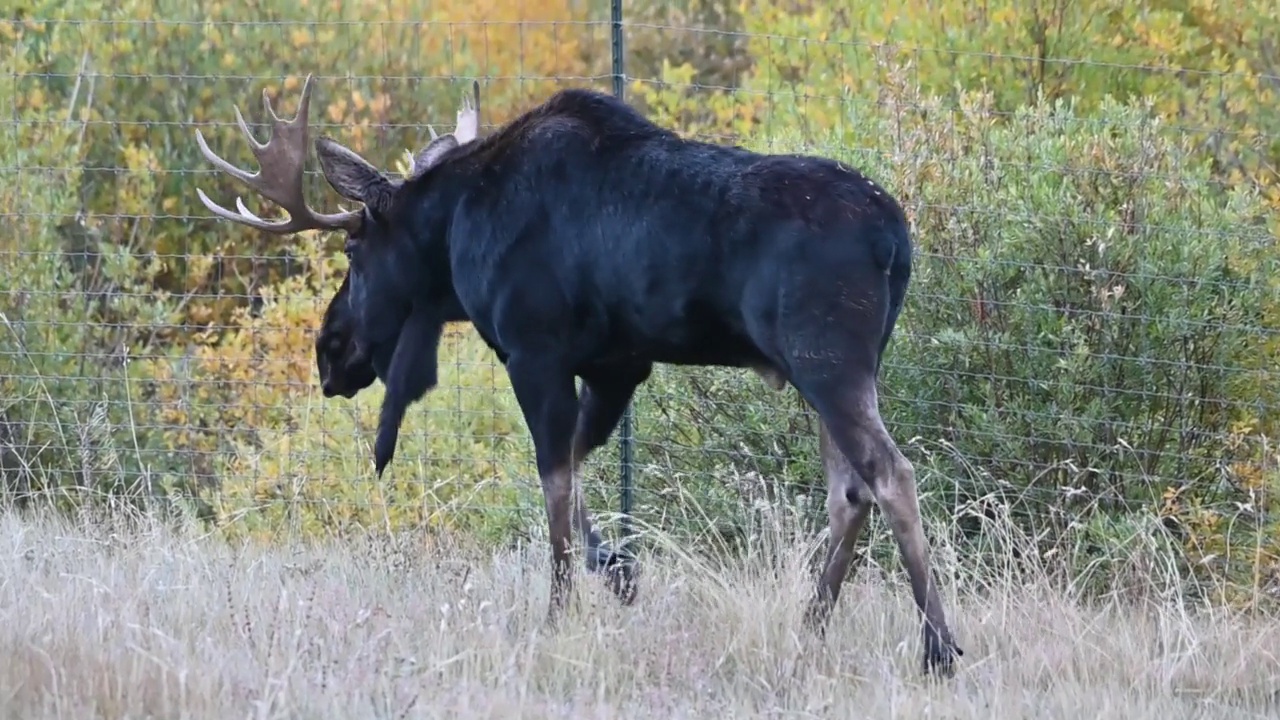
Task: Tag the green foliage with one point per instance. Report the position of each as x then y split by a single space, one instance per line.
212 379
71 307
1090 340
1210 66
202 59
1096 310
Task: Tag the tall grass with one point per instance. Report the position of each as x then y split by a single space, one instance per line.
115 616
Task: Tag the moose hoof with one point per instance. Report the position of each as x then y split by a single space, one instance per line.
940 656
620 570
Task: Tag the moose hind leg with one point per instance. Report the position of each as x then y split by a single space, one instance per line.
848 504
847 403
603 400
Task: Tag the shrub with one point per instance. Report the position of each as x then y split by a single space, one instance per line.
73 305
1209 64
1086 345
1091 328
209 379
1089 342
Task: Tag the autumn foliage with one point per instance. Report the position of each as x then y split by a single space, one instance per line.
1090 342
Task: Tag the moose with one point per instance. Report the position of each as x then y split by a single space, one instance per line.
583 241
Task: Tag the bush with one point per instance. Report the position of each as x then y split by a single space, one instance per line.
1091 328
1096 349
1209 65
73 306
1090 338
211 382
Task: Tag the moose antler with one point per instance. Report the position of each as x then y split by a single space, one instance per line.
466 130
468 125
279 178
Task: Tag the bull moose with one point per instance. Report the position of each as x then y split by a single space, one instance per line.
583 241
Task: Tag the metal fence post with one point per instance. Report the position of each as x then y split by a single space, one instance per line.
626 439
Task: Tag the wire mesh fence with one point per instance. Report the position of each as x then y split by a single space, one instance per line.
1089 347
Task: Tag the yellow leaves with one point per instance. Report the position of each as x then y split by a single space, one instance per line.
1004 16
1243 427
35 100
139 158
1249 476
376 107
293 454
1222 538
200 315
1273 196
257 373
135 192
337 111
403 163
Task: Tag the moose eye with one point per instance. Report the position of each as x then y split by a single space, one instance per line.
349 247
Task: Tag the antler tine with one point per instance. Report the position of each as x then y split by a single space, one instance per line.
271 112
468 126
466 130
248 134
279 177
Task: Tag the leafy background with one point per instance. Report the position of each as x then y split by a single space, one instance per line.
1089 347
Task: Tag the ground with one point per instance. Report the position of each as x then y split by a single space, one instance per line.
122 623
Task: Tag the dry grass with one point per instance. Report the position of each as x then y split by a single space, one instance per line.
96 622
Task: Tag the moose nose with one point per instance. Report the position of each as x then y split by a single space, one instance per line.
327 388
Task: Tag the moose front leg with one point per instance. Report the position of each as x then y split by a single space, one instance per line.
544 389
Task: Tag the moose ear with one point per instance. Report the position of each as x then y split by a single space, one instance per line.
352 176
430 155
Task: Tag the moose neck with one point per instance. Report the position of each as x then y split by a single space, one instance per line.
429 209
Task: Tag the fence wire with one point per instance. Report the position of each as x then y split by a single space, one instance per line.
1089 343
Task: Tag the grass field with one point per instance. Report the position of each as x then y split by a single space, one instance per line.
103 621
